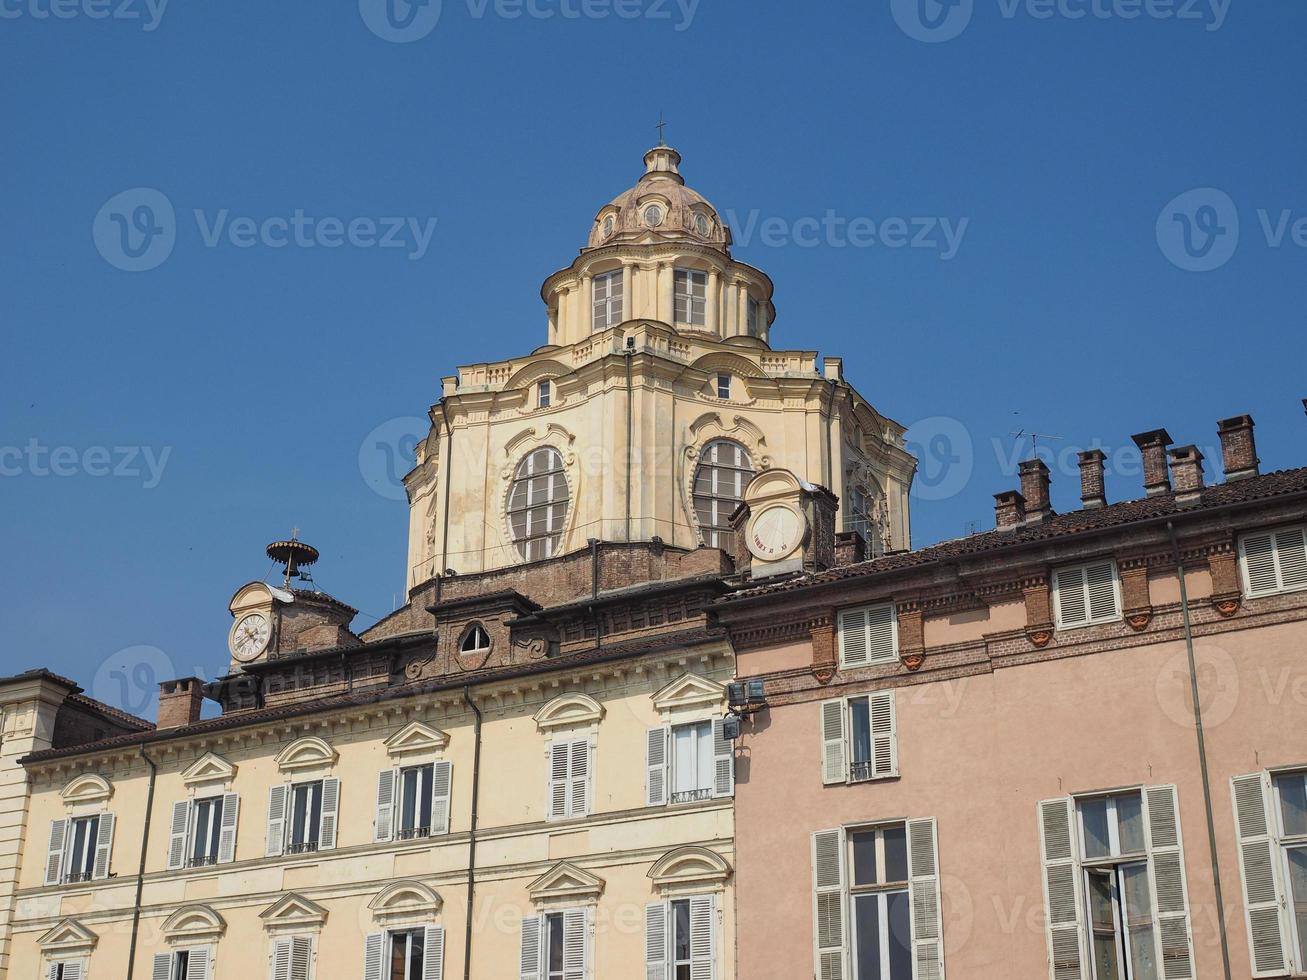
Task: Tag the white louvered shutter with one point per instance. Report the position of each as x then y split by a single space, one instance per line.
442 785
657 941
830 948
560 763
433 963
853 637
1057 829
578 779
723 761
1259 866
882 634
1100 588
162 969
231 808
1170 891
1259 564
884 735
197 964
329 827
281 960
278 811
384 826
1070 597
178 832
924 899
54 862
834 751
52 971
301 958
374 956
576 940
703 945
655 786
103 846
1291 557
529 968
74 969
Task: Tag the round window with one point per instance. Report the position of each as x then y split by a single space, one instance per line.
701 225
608 226
653 216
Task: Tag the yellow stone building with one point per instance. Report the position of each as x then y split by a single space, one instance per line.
525 771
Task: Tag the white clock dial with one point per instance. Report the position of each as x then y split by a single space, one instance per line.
775 533
250 635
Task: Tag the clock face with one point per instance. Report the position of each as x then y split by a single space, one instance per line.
775 533
250 635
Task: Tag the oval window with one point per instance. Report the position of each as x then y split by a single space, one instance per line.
653 216
701 225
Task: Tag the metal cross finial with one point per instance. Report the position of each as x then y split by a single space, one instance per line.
662 124
294 533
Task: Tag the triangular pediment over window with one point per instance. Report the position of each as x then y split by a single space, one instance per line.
209 768
69 936
566 881
294 912
689 691
417 737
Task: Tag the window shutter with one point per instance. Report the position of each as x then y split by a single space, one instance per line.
1259 564
104 846
703 948
54 864
197 964
1071 597
52 971
656 767
442 784
1291 556
723 761
1066 954
882 634
1259 865
1170 894
530 958
559 767
330 814
178 832
433 964
384 827
301 958
1100 587
579 779
374 955
923 892
74 969
162 967
828 904
834 754
884 735
281 960
853 638
231 805
576 933
278 804
657 941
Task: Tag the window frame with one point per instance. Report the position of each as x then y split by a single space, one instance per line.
426 776
91 842
705 782
1245 580
689 295
717 534
607 311
314 790
471 633
555 510
864 610
724 386
214 806
1055 594
544 393
1286 842
854 891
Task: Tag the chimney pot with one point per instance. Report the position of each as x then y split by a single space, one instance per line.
1152 445
1238 447
1009 509
1034 488
1092 492
1187 470
180 702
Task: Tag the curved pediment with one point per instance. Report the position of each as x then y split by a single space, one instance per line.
69 936
566 881
416 737
209 768
194 923
407 900
689 691
725 361
689 867
536 371
309 752
568 710
88 788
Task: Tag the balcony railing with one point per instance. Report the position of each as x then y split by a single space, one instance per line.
202 862
307 847
76 877
862 771
692 796
414 833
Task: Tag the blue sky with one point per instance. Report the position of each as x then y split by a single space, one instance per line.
243 378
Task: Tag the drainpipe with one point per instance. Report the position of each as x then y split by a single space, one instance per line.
630 428
1202 749
472 834
140 874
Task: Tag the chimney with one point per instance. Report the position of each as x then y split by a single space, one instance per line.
1238 450
1034 488
180 702
1009 509
1187 470
1152 445
1092 494
850 548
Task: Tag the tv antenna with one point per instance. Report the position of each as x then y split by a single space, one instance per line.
1034 438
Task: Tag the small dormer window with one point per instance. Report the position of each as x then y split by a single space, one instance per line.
653 216
701 225
475 640
609 226
544 393
723 386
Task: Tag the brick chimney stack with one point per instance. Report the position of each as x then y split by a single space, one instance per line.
1238 448
1187 471
1034 488
1009 509
1092 492
1152 445
180 702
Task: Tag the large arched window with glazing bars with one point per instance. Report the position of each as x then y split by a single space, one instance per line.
725 469
537 504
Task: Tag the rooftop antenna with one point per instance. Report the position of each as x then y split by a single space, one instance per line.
1034 438
295 556
662 124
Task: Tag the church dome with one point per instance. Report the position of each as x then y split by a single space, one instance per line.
660 208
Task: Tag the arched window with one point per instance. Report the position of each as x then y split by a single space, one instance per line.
866 515
475 640
537 504
725 469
